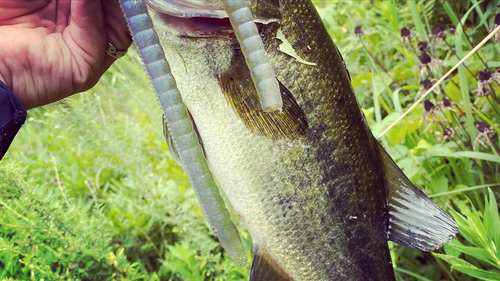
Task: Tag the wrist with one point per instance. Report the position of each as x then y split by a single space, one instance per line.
13 62
7 80
2 77
6 76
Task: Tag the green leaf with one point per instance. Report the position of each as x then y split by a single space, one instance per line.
468 228
463 188
482 16
377 88
439 150
419 25
493 64
361 79
467 268
396 102
450 250
439 184
491 218
412 274
395 16
453 91
400 131
476 252
462 81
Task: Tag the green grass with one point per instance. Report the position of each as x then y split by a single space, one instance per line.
88 190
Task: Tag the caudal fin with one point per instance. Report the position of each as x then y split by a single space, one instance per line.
414 219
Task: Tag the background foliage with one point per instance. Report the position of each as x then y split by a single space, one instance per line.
88 190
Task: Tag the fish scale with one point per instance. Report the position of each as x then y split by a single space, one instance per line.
329 128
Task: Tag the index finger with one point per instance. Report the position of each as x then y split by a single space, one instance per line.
116 27
86 30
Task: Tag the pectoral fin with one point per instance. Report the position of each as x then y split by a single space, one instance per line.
264 268
414 220
170 142
237 87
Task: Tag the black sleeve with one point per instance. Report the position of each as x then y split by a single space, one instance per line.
12 117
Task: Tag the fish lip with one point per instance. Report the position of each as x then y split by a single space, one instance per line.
184 9
205 20
192 20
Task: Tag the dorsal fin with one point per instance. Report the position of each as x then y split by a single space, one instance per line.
264 268
414 219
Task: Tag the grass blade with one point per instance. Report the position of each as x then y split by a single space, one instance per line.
419 25
468 268
409 273
463 190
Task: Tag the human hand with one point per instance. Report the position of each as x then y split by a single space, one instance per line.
51 49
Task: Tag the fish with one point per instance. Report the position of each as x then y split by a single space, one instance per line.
318 194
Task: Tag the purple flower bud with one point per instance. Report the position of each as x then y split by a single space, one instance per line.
484 75
483 91
437 29
405 32
428 105
425 58
497 19
446 102
422 46
427 84
481 127
358 31
448 132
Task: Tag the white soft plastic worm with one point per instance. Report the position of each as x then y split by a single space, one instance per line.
181 129
252 47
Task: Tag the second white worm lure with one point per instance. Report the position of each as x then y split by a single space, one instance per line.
252 47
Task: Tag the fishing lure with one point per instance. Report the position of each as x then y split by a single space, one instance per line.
255 55
181 129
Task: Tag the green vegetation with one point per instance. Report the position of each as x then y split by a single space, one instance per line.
88 190
448 145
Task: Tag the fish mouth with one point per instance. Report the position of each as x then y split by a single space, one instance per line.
194 18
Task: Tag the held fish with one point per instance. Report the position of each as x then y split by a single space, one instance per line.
317 193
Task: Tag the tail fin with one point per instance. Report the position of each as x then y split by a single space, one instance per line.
414 220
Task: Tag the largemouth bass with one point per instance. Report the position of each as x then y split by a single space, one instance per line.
318 194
